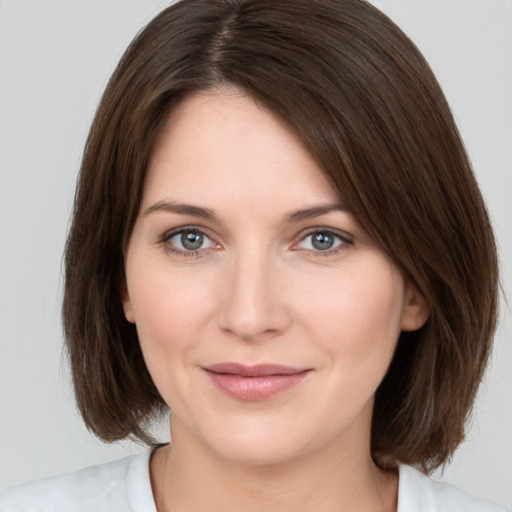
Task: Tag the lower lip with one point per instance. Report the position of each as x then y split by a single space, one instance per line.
255 389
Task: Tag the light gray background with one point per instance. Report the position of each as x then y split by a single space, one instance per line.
55 59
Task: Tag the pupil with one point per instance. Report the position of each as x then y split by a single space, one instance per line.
322 241
191 240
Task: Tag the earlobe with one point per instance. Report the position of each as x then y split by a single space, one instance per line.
416 309
127 304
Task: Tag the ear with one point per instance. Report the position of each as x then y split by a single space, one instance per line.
416 309
127 304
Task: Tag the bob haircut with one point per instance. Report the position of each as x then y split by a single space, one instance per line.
366 105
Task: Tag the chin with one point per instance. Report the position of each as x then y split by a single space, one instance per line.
259 442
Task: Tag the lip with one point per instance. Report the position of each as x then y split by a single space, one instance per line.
254 383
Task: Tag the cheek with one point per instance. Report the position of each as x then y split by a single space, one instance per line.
166 300
357 323
169 311
356 328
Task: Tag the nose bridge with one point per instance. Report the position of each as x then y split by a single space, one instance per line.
253 305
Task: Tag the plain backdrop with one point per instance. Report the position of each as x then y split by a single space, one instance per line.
55 59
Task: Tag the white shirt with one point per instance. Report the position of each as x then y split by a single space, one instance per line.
125 486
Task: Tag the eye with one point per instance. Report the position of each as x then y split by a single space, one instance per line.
188 240
323 241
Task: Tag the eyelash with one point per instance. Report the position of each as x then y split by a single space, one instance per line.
168 236
343 238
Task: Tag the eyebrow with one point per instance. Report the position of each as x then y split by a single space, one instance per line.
314 211
206 213
183 209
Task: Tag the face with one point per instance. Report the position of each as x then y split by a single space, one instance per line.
267 317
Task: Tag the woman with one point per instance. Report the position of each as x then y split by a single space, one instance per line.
264 197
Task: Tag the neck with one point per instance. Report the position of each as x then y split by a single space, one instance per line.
188 477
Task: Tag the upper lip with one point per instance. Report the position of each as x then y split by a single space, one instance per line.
259 370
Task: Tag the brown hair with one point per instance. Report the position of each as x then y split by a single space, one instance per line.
365 103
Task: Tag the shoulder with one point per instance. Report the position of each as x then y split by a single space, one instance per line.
115 486
418 493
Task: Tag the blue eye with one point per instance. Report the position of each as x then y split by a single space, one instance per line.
189 240
322 241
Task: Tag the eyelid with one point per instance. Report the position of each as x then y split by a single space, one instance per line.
346 239
176 231
171 233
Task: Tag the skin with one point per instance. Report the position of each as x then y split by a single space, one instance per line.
259 291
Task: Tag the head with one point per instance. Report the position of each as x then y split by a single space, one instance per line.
364 104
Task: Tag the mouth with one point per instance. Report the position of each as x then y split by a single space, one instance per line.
254 383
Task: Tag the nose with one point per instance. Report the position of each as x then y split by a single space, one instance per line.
253 304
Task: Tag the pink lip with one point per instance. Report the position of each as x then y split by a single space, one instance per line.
254 383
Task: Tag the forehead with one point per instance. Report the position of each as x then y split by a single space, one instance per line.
219 144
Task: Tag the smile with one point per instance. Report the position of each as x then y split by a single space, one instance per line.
254 383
